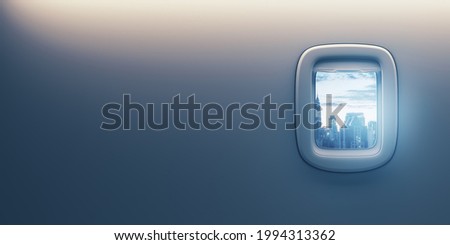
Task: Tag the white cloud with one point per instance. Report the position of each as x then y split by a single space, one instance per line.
356 89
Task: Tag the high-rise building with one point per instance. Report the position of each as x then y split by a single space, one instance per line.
319 133
334 136
371 134
318 112
354 134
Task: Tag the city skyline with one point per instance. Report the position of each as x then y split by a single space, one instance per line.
357 134
358 91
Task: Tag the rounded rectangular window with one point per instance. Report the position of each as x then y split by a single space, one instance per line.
353 88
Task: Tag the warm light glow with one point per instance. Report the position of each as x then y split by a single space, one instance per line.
163 28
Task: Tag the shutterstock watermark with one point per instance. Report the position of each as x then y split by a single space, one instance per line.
191 114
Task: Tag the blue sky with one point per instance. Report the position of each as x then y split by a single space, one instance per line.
357 89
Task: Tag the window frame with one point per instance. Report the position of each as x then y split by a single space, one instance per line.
354 57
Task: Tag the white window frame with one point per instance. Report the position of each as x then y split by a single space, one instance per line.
349 57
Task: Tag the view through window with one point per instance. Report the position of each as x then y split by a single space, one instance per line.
358 90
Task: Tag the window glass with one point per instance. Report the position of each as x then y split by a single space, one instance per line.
352 96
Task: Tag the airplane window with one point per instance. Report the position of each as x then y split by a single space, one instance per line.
352 96
350 121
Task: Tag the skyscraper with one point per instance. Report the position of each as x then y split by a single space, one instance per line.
318 112
371 133
354 135
319 133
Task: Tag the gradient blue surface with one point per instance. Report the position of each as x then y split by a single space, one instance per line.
58 167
